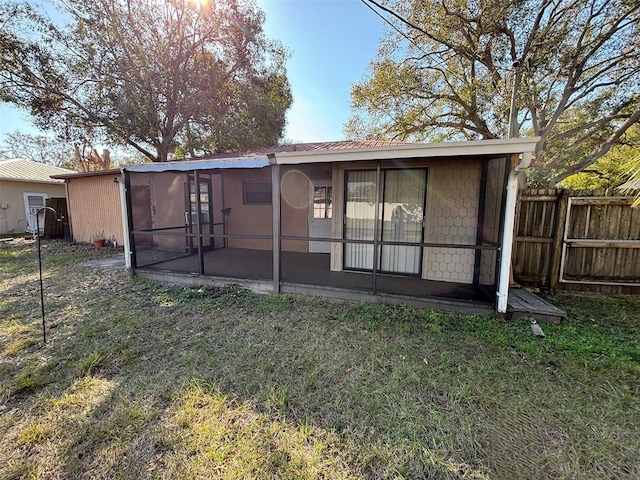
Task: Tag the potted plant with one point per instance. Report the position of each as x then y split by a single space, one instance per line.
98 240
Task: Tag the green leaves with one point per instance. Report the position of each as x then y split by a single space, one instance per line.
145 74
449 74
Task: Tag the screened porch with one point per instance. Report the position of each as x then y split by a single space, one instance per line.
421 231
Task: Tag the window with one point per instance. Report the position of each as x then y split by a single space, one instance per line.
204 202
322 207
34 202
257 193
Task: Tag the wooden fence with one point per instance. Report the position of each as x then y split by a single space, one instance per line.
54 227
577 241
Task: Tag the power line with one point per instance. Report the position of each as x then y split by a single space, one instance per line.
393 26
411 40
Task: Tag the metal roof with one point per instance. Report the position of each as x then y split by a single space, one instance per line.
345 151
184 166
304 147
342 151
21 170
95 173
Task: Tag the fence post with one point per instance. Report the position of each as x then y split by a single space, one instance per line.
558 236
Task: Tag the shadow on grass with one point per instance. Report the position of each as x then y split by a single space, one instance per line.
145 381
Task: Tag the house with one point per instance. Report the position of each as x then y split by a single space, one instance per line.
424 224
24 187
93 203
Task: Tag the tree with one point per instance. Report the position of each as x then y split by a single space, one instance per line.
447 70
146 73
612 169
40 148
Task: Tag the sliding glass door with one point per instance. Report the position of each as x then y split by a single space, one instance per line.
360 220
401 219
403 215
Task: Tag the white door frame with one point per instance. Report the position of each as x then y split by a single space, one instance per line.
31 216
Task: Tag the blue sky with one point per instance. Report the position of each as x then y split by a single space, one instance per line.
332 43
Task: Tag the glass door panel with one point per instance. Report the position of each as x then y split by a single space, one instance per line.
320 216
203 194
359 218
403 214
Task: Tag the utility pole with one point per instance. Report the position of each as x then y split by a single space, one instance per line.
513 110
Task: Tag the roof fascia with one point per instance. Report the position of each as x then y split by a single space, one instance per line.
97 173
28 180
446 149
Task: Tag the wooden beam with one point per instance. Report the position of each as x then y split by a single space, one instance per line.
587 243
602 200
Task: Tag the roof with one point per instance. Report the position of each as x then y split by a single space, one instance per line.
96 173
345 151
341 151
21 170
397 150
305 147
259 161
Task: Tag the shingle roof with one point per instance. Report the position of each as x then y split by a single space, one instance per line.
305 147
22 170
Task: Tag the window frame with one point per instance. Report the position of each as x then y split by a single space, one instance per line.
248 201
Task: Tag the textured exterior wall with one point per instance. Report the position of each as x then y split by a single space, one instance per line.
94 207
13 218
452 217
167 190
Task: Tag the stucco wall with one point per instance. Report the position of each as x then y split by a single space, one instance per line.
167 205
94 208
13 218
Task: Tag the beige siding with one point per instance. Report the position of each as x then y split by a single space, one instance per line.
94 207
13 218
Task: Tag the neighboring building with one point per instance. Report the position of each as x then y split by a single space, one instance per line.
24 187
93 203
426 224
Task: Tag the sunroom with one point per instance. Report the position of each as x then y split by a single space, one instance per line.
423 224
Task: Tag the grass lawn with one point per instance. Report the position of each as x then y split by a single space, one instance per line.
140 380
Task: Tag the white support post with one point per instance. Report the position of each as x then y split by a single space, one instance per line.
125 222
507 234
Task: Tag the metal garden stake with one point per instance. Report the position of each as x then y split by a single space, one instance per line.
44 330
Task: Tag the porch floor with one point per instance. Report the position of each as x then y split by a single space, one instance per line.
312 269
525 304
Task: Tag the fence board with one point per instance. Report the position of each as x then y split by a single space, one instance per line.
601 242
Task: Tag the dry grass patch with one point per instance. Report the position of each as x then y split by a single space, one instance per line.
218 437
141 380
